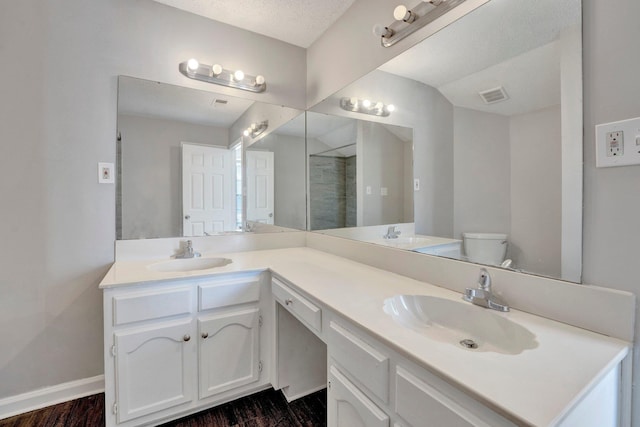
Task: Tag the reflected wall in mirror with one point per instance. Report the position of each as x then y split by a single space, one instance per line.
276 179
360 172
495 103
179 158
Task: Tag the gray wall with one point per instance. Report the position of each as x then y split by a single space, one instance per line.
58 121
151 172
290 190
481 149
610 247
383 166
535 239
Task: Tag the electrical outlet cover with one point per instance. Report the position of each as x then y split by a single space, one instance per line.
106 173
616 143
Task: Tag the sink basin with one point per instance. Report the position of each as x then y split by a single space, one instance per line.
460 323
188 264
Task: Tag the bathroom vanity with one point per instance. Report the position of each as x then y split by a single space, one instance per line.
300 319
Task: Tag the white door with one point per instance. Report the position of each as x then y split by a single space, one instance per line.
229 351
208 186
260 199
155 368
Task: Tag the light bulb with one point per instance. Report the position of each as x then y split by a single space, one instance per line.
246 132
216 69
391 108
353 101
259 80
401 13
366 103
382 31
193 64
379 106
253 126
238 76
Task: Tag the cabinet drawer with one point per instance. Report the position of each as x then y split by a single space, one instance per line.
365 363
420 403
347 406
298 305
151 305
222 293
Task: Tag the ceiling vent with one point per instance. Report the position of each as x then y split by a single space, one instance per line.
219 102
494 95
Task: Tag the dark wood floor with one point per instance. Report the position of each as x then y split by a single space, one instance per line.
265 409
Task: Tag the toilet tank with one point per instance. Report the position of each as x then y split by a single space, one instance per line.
485 248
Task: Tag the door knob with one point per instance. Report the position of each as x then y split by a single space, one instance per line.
270 215
187 217
205 335
186 337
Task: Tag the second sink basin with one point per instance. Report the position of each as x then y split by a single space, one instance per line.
460 323
188 264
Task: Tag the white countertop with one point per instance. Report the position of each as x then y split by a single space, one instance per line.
537 386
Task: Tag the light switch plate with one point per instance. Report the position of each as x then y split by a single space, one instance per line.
106 173
616 143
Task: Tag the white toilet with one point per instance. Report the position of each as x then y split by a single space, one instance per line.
485 248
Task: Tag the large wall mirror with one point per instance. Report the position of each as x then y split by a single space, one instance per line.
494 105
180 156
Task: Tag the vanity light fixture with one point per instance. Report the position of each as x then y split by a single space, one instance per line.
366 106
407 21
218 75
256 129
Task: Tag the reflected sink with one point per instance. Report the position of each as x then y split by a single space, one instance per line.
460 323
188 264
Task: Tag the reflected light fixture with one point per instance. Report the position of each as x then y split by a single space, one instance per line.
217 75
256 129
366 106
407 21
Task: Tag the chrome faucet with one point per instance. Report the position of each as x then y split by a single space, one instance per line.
392 233
483 296
188 252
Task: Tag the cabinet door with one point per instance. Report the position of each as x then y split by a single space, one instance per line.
229 351
154 368
347 406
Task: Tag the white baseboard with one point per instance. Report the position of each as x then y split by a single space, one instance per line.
48 396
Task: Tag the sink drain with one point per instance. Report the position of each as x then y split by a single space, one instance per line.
468 344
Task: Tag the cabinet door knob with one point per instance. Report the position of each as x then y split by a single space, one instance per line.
186 337
205 335
288 301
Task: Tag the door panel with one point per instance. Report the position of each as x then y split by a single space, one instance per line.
208 190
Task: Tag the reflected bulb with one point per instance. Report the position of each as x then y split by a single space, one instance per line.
193 64
259 80
238 76
353 101
379 106
366 103
216 69
391 108
382 31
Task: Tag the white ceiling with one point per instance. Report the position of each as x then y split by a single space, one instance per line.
151 99
299 22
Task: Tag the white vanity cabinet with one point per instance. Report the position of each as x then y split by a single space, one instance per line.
177 347
154 368
228 351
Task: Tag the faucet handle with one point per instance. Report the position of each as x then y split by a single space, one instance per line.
484 280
